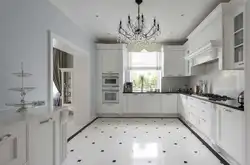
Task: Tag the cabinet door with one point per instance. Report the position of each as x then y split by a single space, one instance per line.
151 103
60 139
111 61
231 132
110 108
180 106
13 144
134 102
41 144
169 104
174 62
239 37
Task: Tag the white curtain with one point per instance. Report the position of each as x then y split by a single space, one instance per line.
149 48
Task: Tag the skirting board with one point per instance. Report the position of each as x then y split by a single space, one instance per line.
134 115
222 160
84 127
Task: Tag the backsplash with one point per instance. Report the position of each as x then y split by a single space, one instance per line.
229 82
174 83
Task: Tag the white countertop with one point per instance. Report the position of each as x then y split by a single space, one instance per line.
10 117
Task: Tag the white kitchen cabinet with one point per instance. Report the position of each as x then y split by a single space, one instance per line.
134 103
182 106
60 123
219 26
239 53
108 108
143 103
111 60
169 103
41 142
230 133
13 144
151 103
174 62
201 113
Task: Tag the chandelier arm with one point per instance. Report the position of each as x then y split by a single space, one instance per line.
125 33
129 38
132 27
150 30
154 34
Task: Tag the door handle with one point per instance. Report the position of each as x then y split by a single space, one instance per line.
5 137
45 121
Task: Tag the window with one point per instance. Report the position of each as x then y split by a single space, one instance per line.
145 70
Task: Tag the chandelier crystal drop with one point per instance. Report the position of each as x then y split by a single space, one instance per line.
136 32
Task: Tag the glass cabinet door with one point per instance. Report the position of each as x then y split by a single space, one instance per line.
239 39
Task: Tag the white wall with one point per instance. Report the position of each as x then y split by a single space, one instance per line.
24 37
247 81
228 82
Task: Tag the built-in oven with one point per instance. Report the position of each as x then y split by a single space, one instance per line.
110 96
110 80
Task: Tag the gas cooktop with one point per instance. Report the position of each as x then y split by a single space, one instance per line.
214 97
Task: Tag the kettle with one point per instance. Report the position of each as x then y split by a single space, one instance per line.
241 99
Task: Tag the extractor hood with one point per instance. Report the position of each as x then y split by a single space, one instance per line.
205 54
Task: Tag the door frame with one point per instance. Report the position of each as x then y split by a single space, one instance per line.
65 45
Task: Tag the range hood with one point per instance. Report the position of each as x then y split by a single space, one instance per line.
205 54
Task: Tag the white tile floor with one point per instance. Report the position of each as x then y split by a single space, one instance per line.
138 142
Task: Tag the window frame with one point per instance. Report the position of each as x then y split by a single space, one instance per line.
158 68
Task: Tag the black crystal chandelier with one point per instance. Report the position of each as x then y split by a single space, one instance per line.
136 32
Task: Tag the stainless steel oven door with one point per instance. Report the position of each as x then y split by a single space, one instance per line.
110 80
110 96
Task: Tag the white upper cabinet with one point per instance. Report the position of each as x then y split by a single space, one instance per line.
174 62
110 58
239 55
225 26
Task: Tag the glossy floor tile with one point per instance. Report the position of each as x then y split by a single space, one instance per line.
120 141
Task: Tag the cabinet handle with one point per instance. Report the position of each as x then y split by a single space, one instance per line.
45 121
5 137
203 102
241 63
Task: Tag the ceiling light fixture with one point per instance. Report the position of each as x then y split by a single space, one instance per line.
136 33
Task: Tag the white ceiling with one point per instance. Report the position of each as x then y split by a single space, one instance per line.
174 27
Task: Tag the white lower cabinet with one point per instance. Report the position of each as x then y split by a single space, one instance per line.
41 142
165 104
151 103
134 103
169 103
230 133
143 103
13 144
